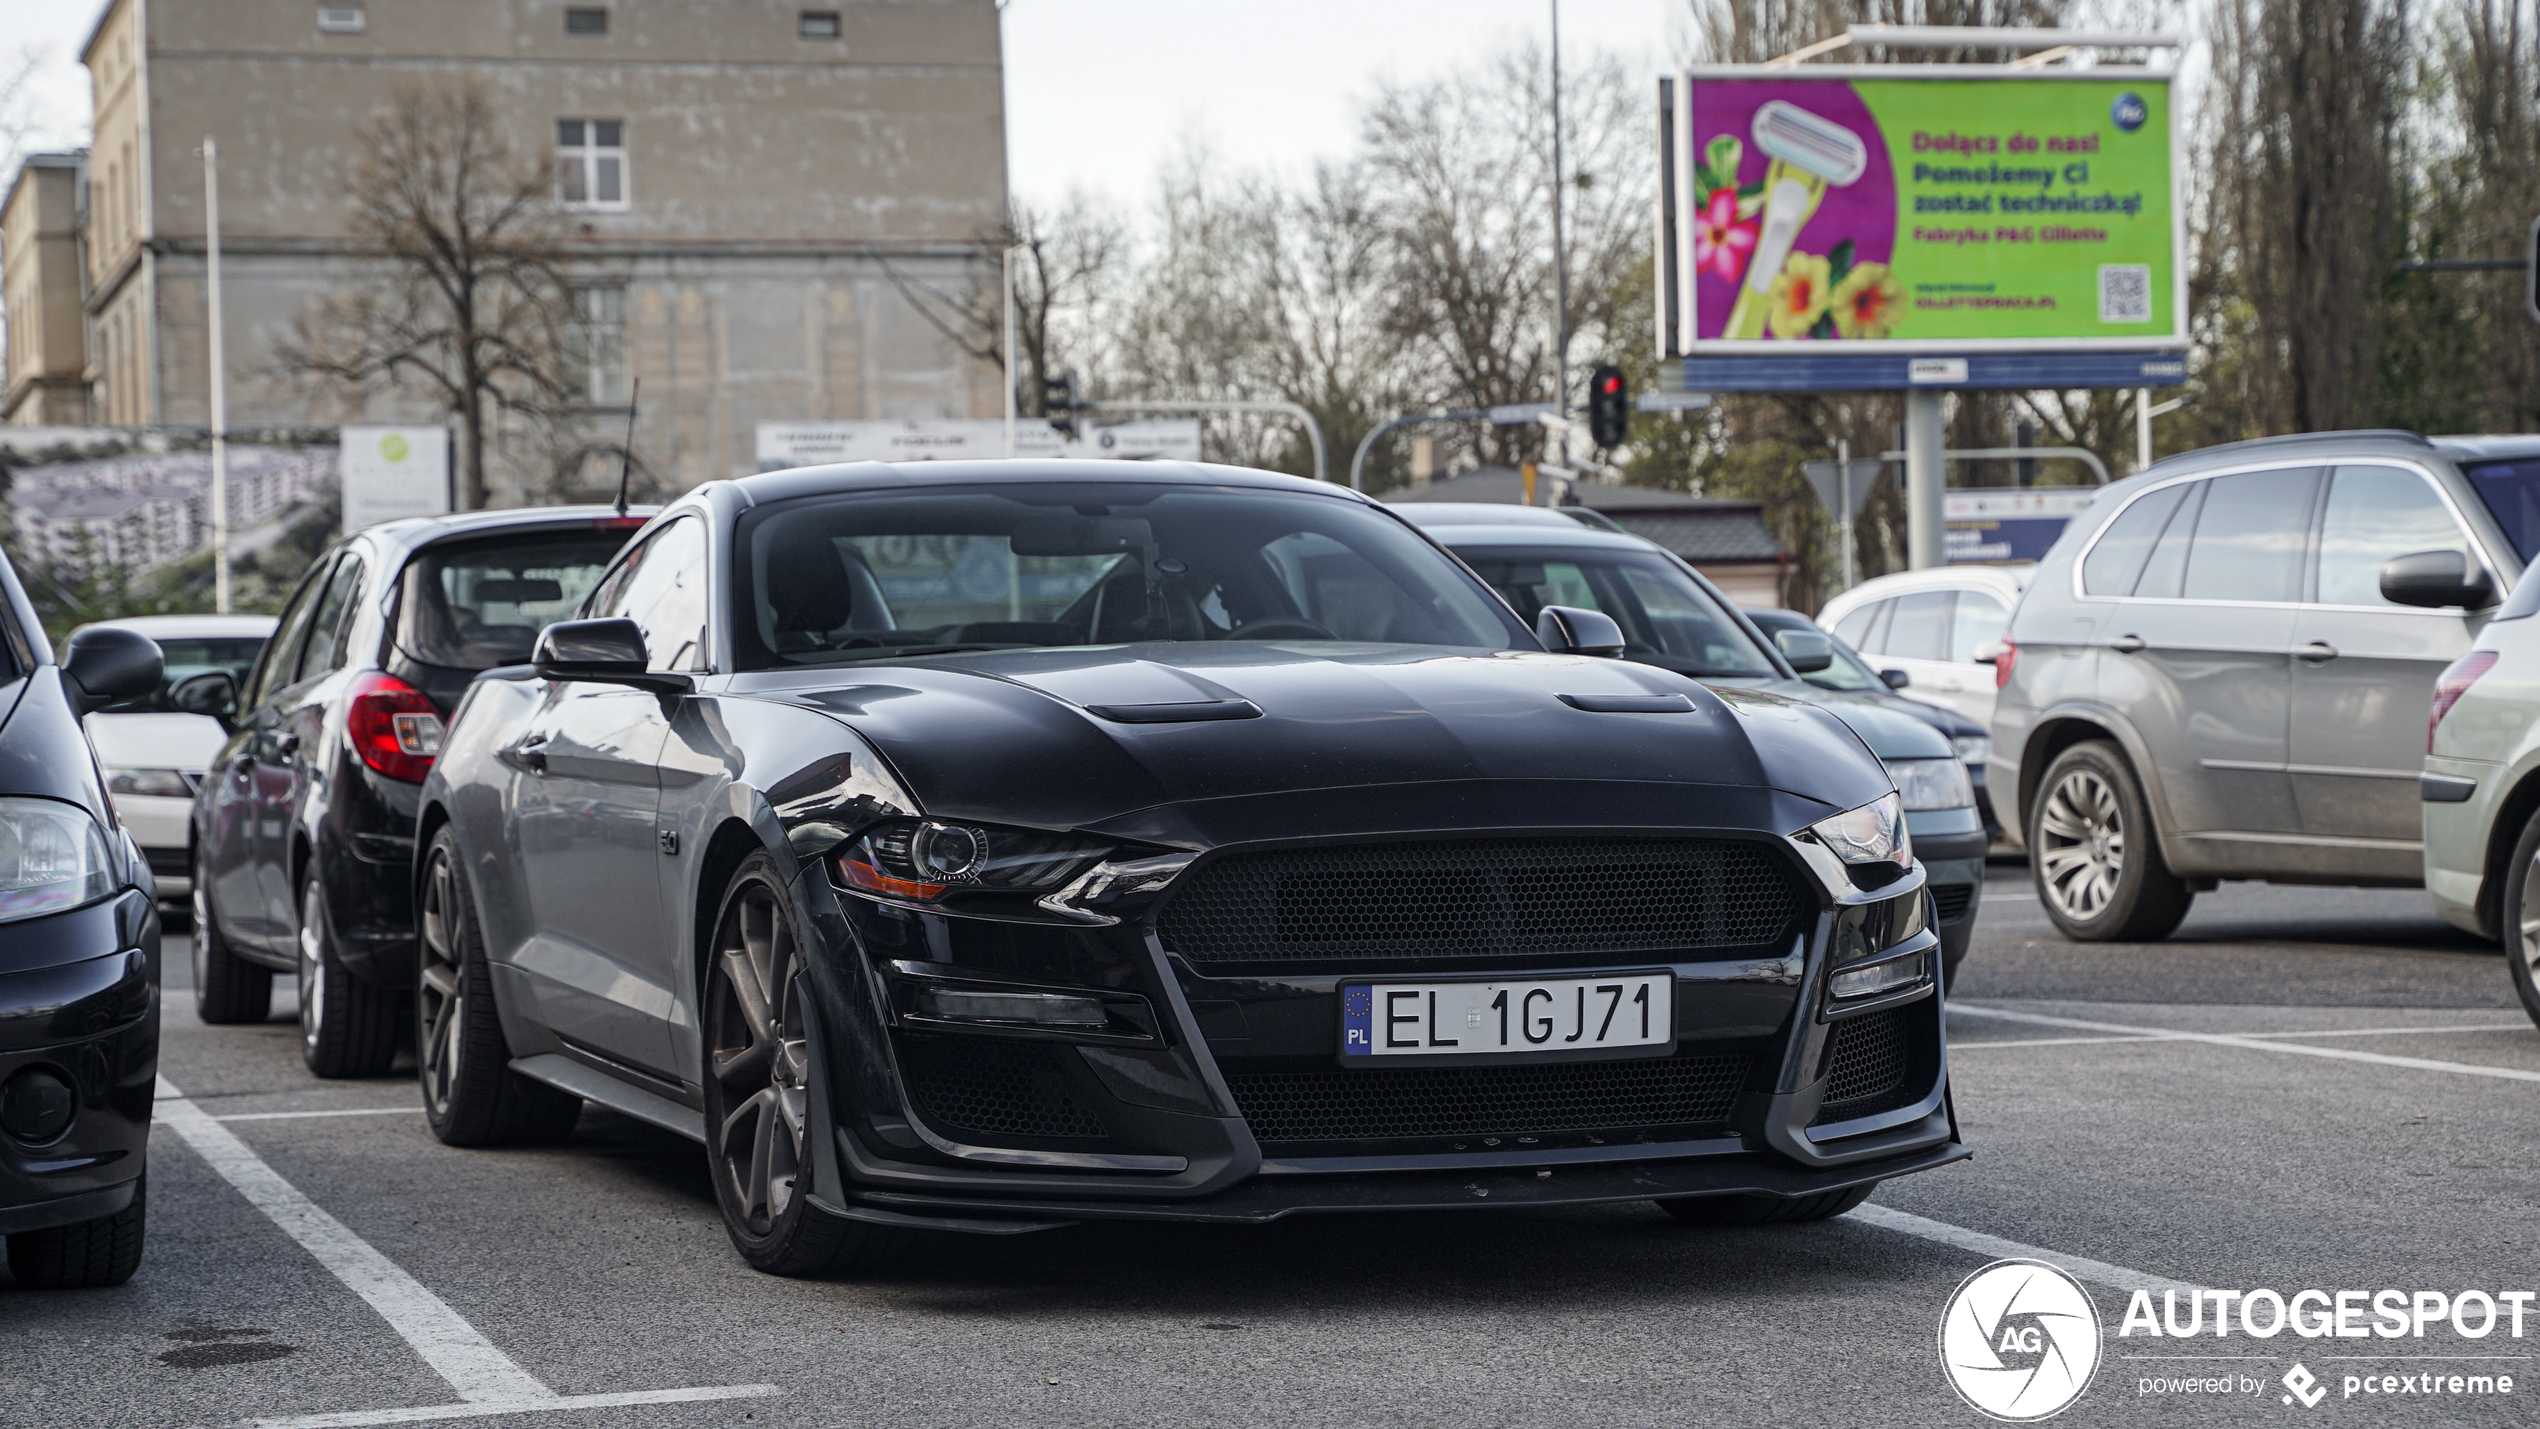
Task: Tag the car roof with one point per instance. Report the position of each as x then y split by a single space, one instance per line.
1565 535
1773 617
2488 448
917 475
415 532
189 627
2003 580
1479 513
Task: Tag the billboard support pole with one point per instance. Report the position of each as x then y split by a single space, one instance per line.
2142 427
220 378
1926 531
1843 528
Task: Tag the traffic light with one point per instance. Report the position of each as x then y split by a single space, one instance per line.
1609 407
1058 403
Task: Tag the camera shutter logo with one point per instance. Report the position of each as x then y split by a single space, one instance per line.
2019 1340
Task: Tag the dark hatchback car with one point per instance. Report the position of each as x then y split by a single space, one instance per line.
989 846
303 832
79 963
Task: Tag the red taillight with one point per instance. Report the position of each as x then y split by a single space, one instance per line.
2003 662
394 726
620 523
2453 683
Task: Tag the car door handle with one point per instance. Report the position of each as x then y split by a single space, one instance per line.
2317 652
531 754
2126 644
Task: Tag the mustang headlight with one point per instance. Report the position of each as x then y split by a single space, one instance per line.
1872 833
927 860
154 783
52 857
1931 783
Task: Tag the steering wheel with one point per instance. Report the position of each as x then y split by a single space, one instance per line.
1282 627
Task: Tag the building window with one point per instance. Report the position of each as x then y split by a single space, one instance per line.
595 346
591 163
585 20
820 25
342 20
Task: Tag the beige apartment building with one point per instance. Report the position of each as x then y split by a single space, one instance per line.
47 353
757 196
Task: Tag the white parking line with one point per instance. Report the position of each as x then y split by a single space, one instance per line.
2180 1036
299 1115
2254 1044
1959 1237
487 1381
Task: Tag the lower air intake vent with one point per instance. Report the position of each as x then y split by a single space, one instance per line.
1484 1101
1949 901
1866 1071
991 1085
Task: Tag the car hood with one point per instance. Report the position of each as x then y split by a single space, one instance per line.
1890 733
1014 736
155 741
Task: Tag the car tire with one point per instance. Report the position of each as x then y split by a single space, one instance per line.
348 1027
757 1058
2094 853
87 1255
228 989
1753 1210
2518 918
471 1096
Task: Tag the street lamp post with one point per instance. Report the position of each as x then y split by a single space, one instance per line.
220 379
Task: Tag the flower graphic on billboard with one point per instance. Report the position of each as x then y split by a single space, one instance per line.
1720 242
1800 294
1866 301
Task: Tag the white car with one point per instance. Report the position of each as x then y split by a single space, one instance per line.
1933 627
155 755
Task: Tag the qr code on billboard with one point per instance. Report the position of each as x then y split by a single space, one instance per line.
2125 293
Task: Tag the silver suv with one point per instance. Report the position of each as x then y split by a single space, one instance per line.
2223 668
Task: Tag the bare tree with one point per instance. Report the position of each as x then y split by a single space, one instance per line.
470 299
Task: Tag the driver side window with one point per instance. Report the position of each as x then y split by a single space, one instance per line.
662 588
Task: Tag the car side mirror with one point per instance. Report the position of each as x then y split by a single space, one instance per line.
608 651
1568 630
1806 650
1991 652
108 666
2436 580
1896 679
213 693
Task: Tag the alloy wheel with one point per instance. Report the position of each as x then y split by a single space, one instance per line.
202 908
2081 844
312 967
440 989
2529 946
758 1055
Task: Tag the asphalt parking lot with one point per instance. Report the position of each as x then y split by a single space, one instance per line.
2303 1088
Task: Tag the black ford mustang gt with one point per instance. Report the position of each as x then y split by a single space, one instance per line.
993 846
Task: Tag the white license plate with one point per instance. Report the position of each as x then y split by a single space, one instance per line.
1542 1018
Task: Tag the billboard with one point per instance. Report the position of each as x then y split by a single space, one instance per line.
1945 209
817 443
2004 525
391 473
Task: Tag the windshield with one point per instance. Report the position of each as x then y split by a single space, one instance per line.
861 577
2511 490
482 604
1668 619
188 658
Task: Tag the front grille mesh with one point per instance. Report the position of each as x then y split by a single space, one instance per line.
1484 1101
990 1085
1866 1070
1480 898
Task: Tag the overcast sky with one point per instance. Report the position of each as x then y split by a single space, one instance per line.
1100 92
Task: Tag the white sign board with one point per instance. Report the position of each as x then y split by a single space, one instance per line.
789 444
391 473
2017 503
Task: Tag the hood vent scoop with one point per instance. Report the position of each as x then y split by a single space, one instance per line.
1630 704
1182 711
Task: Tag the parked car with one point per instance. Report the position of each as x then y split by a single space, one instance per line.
1934 627
303 835
2223 667
2481 789
992 845
1673 617
155 755
1851 675
79 963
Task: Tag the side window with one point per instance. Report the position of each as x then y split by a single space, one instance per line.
325 650
1920 628
2250 537
2168 567
2113 563
282 653
1854 629
662 589
1980 620
2373 514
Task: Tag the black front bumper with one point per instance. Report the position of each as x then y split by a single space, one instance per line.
89 1016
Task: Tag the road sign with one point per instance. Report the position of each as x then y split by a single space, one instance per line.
790 444
1519 414
391 473
1671 401
1827 478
